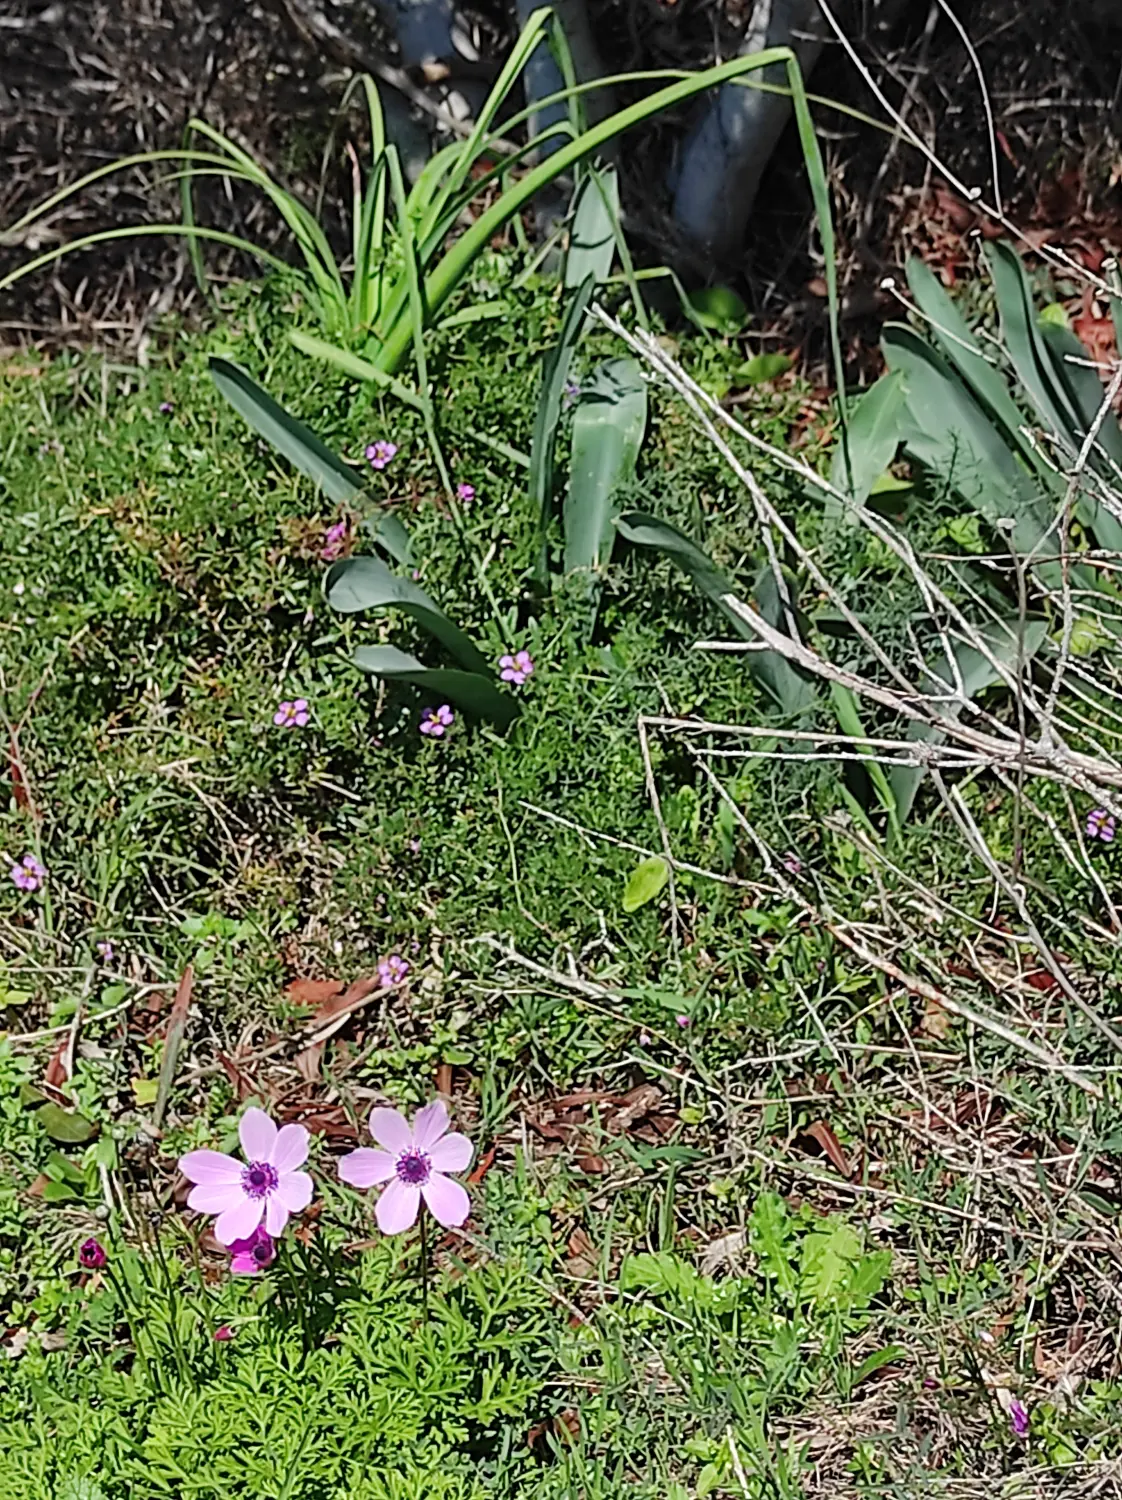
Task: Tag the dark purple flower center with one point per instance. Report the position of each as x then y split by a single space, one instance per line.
258 1179
263 1252
414 1168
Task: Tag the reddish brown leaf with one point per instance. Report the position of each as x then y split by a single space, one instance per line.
15 768
55 1075
444 1079
36 1188
1042 980
583 1257
337 1004
481 1168
592 1165
312 991
830 1144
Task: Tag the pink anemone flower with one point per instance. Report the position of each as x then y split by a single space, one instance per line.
267 1187
413 1162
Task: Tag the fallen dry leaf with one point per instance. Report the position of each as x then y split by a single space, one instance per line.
830 1144
312 991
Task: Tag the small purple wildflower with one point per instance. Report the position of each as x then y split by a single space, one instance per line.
792 863
465 493
392 970
334 541
683 1021
166 407
570 393
292 715
1018 1418
1100 825
436 721
516 668
91 1255
105 952
254 1253
29 874
379 454
223 1333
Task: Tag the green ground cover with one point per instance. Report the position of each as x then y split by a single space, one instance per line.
750 1215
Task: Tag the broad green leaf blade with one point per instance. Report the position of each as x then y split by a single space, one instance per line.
608 427
474 694
65 1125
284 432
875 431
387 532
977 674
592 238
555 372
790 689
849 721
1071 370
358 583
645 882
956 340
949 433
1024 343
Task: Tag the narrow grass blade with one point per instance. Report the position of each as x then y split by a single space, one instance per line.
177 1027
608 427
359 583
354 365
474 694
284 432
789 688
1024 344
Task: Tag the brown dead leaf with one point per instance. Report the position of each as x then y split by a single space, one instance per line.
444 1079
583 1257
592 1165
312 991
935 1020
724 1253
55 1075
633 1107
830 1144
481 1168
309 1060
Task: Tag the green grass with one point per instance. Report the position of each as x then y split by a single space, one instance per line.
693 1301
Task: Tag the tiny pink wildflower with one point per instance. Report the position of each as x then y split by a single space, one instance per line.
1100 825
516 668
91 1255
683 1021
1018 1418
28 874
436 721
465 493
292 715
267 1187
223 1333
334 541
414 1163
392 970
379 454
105 952
253 1253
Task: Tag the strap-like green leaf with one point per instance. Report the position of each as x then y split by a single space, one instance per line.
358 583
555 372
875 425
474 694
608 427
595 225
791 690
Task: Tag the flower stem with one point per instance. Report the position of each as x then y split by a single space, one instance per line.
424 1265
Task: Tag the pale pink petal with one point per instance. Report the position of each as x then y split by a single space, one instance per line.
258 1135
291 1149
452 1153
391 1130
239 1222
276 1214
365 1167
210 1166
295 1191
397 1208
214 1197
430 1124
447 1200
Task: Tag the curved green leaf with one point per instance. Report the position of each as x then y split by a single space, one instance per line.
555 372
65 1125
645 882
474 694
875 433
284 432
790 689
592 237
608 427
357 583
